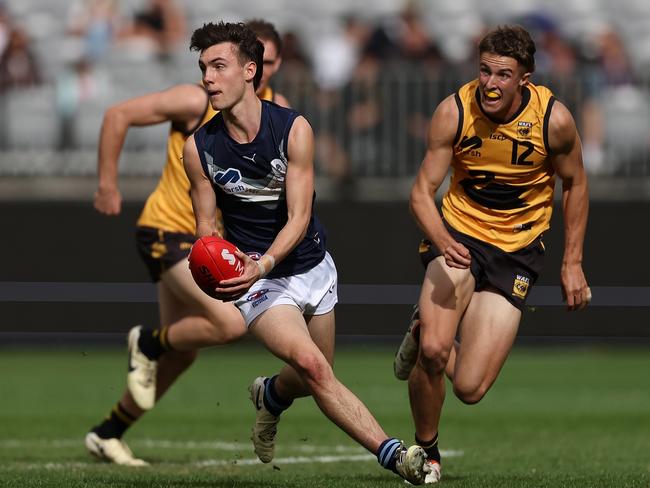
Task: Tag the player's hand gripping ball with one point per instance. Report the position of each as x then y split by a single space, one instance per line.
213 259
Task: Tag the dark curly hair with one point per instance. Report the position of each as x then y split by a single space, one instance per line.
248 45
512 41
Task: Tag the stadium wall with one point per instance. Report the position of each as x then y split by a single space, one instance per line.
57 243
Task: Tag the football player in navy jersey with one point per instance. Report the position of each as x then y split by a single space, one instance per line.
165 232
254 160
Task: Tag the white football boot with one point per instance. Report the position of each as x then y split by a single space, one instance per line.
411 464
407 353
266 424
112 450
433 471
141 377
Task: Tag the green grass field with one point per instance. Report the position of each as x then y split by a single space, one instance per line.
555 418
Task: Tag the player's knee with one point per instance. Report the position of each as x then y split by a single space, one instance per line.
312 367
229 334
433 357
469 393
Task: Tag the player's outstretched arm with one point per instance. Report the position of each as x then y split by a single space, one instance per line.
181 103
566 157
432 172
204 202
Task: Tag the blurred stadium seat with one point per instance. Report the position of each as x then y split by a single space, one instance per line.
405 97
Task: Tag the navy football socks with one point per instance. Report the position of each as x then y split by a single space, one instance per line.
386 453
272 401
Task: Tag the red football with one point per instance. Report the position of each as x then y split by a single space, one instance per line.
213 259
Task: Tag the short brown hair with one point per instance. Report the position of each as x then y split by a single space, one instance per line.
512 41
266 31
249 46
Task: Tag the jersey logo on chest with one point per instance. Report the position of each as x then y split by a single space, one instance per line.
229 180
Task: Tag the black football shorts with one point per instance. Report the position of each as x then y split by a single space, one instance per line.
160 250
512 274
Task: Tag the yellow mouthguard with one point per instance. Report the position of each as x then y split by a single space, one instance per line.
493 95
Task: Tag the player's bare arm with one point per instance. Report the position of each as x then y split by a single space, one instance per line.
204 201
181 103
299 194
566 157
299 189
434 168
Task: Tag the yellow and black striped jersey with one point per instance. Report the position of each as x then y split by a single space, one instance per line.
169 207
501 188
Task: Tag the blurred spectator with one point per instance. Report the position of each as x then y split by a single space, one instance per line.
337 53
294 60
336 56
556 60
18 66
95 23
404 39
76 84
608 72
4 27
157 29
364 107
388 99
413 41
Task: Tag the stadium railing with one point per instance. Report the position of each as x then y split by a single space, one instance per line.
365 129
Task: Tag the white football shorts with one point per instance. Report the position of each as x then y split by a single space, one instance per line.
313 292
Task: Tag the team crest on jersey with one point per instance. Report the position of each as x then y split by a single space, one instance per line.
279 169
524 129
258 297
520 286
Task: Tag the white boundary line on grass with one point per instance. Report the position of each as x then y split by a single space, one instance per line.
207 463
307 459
216 445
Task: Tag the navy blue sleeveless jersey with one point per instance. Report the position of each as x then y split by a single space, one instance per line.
249 182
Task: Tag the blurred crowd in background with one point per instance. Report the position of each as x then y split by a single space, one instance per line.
368 80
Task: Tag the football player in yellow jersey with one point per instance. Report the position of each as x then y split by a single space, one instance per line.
504 139
165 233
